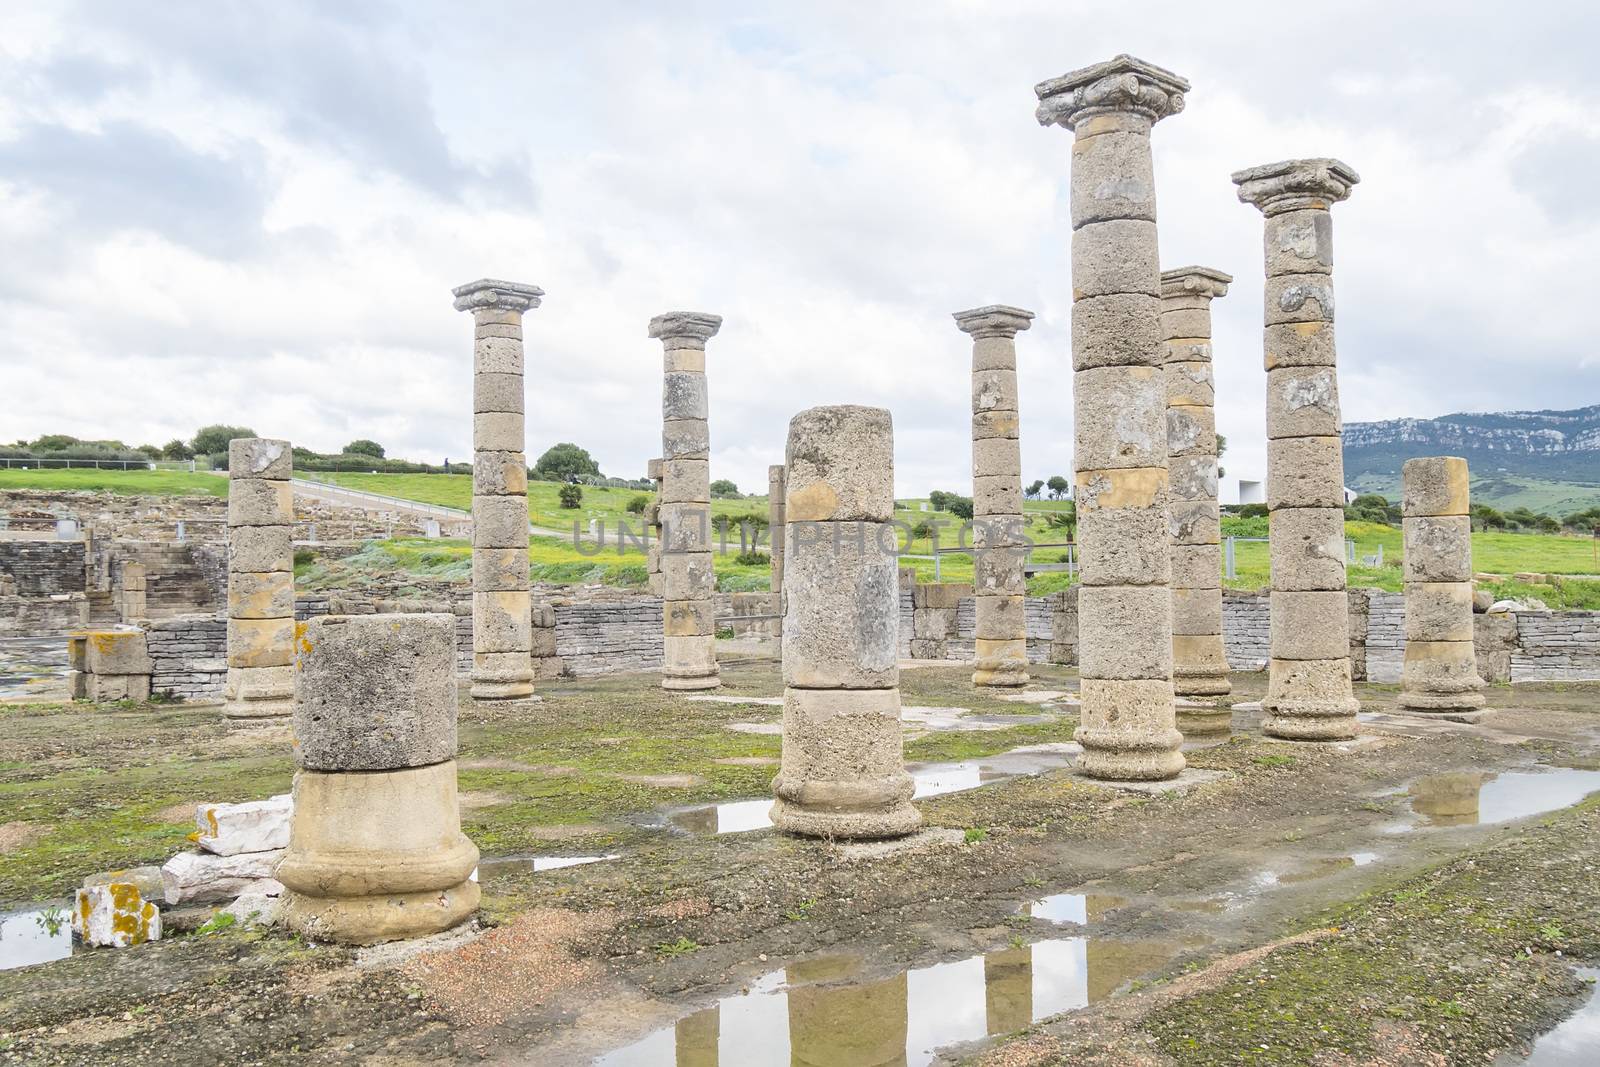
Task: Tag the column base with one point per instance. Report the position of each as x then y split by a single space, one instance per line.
1205 720
896 820
1000 663
1201 684
1442 703
1008 677
370 920
1309 700
677 683
1143 745
258 692
499 690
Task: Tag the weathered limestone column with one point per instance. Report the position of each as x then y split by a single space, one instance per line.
1199 668
1309 694
843 772
688 580
1441 667
776 513
260 579
1125 606
998 541
652 521
502 668
375 850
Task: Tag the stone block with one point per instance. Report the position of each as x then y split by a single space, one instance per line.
500 522
840 465
684 395
692 653
261 642
841 623
1310 700
1191 323
997 494
199 877
1305 472
1440 675
510 670
1124 546
945 596
1117 256
994 390
261 596
1191 430
1438 548
686 438
999 618
1310 625
1196 611
1299 298
258 549
1120 417
996 456
1434 486
1190 379
686 481
114 916
116 652
994 353
377 692
254 826
500 474
998 571
1308 551
1125 631
147 880
499 569
499 431
1302 402
260 457
497 355
1128 729
1439 611
1192 478
689 618
1300 344
1113 177
1299 242
1196 566
498 392
987 424
686 528
500 620
1123 330
692 360
106 688
1193 522
689 575
997 531
259 502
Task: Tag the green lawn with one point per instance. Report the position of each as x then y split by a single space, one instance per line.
166 483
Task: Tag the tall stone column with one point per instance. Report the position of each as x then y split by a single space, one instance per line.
776 513
1199 668
502 636
1119 392
998 540
1441 666
1309 693
260 579
843 771
688 580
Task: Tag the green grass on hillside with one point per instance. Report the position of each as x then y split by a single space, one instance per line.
158 482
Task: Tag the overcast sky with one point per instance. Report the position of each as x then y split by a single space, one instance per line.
254 213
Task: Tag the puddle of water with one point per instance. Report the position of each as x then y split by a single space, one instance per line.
815 1013
932 779
37 936
1573 1043
1080 908
534 863
32 666
1468 798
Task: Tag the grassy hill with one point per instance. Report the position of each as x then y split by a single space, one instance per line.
160 482
1502 491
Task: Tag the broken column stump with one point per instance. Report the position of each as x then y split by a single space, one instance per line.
1441 664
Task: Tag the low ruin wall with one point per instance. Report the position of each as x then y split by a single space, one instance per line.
43 568
189 657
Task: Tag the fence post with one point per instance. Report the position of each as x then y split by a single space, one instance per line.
1350 551
1232 570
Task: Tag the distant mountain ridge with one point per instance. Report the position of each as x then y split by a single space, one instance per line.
1501 447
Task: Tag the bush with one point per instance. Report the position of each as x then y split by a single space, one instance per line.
1252 511
638 505
752 559
960 507
215 438
723 489
564 460
571 495
364 447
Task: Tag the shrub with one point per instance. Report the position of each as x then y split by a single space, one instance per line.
752 559
364 447
562 461
1252 511
571 495
960 507
638 504
723 489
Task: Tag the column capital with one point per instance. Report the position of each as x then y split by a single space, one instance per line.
1195 281
1121 84
993 320
1295 184
491 293
685 329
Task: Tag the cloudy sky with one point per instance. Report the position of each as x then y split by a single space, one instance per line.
254 213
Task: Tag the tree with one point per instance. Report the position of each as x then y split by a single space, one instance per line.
54 442
959 506
1222 446
565 460
571 495
209 439
1058 486
153 451
176 449
1033 491
364 447
722 488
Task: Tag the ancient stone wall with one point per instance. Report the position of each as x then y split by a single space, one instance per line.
189 657
1246 630
41 568
1555 646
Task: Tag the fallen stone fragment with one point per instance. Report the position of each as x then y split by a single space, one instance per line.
114 916
147 880
199 876
256 826
259 906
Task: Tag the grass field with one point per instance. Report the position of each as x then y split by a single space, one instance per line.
165 483
1501 491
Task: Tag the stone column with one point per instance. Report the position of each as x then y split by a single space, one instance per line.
775 523
652 521
1199 668
1441 667
1119 392
1309 694
998 540
260 579
843 771
135 585
501 637
375 850
688 580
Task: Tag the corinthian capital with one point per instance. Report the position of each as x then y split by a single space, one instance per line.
492 293
993 320
1295 184
1122 84
1195 281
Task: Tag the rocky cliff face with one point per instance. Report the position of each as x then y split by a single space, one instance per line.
1557 445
